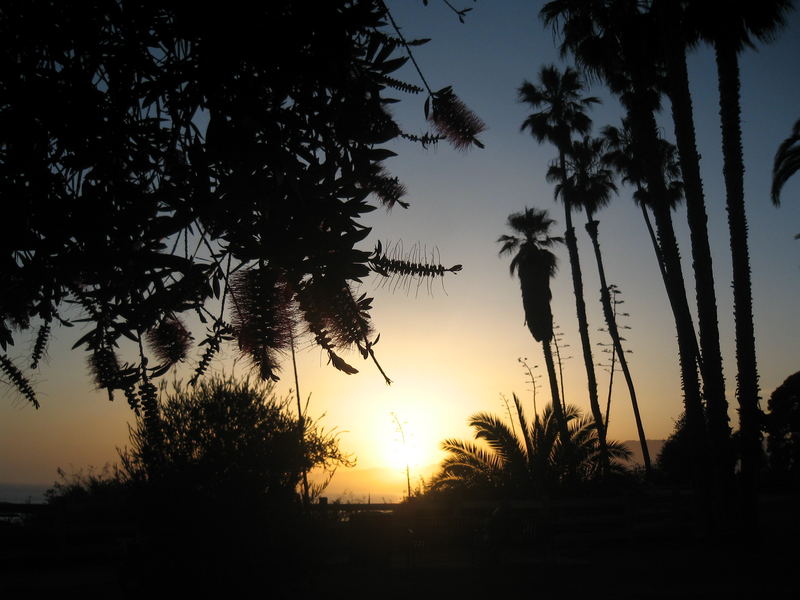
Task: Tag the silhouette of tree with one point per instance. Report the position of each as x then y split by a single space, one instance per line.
676 35
160 161
783 431
615 40
535 265
233 438
591 184
537 464
562 113
730 29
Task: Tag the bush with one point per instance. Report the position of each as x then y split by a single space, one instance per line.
213 488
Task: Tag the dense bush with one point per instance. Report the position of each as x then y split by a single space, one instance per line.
213 497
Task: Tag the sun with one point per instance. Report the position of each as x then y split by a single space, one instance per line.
397 454
409 443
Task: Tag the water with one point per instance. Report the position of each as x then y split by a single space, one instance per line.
23 493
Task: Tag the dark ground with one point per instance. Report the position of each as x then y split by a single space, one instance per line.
601 548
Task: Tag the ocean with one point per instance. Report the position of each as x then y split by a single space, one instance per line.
23 493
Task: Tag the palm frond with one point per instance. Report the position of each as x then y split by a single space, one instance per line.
787 162
498 436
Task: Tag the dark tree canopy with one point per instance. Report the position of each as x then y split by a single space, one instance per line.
783 429
159 161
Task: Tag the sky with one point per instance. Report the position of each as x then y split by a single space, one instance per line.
452 349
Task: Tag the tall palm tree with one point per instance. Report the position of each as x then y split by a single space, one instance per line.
730 27
535 265
561 111
533 465
591 185
675 39
621 156
614 40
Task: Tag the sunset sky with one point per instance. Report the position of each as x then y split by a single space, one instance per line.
452 349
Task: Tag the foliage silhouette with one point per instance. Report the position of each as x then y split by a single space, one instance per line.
590 183
783 431
562 113
217 503
538 464
677 34
730 30
616 41
160 162
787 161
535 265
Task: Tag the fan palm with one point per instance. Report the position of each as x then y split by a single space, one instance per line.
535 265
561 111
591 184
533 465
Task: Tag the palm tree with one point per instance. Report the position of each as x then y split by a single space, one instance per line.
614 40
591 184
730 27
535 265
787 162
675 40
562 112
620 156
534 465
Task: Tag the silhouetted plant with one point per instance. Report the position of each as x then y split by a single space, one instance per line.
783 431
399 268
206 145
535 265
561 112
787 162
218 496
591 184
674 462
617 42
536 464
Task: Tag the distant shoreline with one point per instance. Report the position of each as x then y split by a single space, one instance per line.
24 493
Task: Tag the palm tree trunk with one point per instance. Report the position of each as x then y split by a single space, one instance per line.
711 365
556 400
660 259
654 239
747 371
583 326
645 136
611 322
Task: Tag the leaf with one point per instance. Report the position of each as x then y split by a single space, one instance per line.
85 339
340 364
379 154
392 65
159 370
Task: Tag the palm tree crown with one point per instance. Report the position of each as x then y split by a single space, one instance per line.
531 465
562 106
586 179
535 265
